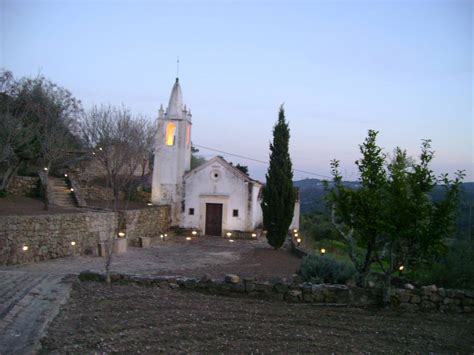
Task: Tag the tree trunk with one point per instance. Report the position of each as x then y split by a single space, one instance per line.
9 174
45 192
387 289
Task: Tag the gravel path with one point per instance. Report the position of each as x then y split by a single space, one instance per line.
206 255
28 303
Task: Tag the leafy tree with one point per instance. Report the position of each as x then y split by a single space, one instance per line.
39 121
279 194
196 160
243 168
391 217
357 214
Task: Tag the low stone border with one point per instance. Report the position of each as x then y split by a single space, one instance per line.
427 298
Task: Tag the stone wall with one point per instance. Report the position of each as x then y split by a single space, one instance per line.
50 236
95 192
457 301
147 222
23 185
433 298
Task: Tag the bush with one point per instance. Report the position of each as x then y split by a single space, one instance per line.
456 270
325 269
318 227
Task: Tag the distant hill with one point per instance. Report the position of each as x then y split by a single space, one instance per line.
312 199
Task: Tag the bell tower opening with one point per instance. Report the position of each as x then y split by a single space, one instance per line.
170 134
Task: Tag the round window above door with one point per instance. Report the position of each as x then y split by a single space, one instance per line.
215 175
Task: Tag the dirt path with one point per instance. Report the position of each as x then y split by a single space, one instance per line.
133 319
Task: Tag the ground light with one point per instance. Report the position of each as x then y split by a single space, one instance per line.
65 175
45 169
188 238
401 268
25 247
295 230
121 234
194 233
72 190
73 243
298 241
229 234
231 240
254 235
323 251
149 204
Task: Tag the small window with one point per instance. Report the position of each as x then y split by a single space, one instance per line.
191 211
170 133
235 213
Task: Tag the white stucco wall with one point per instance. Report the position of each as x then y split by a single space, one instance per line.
228 189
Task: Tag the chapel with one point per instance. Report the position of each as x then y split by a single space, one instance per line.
214 198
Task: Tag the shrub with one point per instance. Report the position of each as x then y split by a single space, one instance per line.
325 269
456 270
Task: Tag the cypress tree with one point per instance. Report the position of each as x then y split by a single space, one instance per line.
279 195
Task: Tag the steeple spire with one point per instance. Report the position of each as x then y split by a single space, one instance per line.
175 106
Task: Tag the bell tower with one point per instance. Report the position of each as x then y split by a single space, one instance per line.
172 154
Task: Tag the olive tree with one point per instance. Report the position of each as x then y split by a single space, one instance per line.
391 219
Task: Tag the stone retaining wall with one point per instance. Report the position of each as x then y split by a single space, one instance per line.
147 222
50 236
433 298
458 300
23 186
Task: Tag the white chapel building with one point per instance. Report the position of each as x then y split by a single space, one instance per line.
215 198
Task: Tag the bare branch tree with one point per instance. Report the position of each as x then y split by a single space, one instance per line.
119 142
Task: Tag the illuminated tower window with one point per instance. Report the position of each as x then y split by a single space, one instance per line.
188 135
170 133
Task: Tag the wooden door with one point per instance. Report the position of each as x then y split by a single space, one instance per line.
214 219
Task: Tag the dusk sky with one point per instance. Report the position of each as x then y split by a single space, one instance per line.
403 68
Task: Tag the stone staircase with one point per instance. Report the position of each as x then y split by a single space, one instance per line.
60 194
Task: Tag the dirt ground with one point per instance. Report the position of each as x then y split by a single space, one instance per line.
21 205
137 319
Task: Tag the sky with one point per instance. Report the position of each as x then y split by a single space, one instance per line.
403 68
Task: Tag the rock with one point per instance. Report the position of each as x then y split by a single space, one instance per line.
448 300
409 286
409 307
206 278
293 295
427 305
404 296
263 286
307 297
469 294
232 279
281 288
249 285
371 284
428 289
467 309
435 297
173 286
415 299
